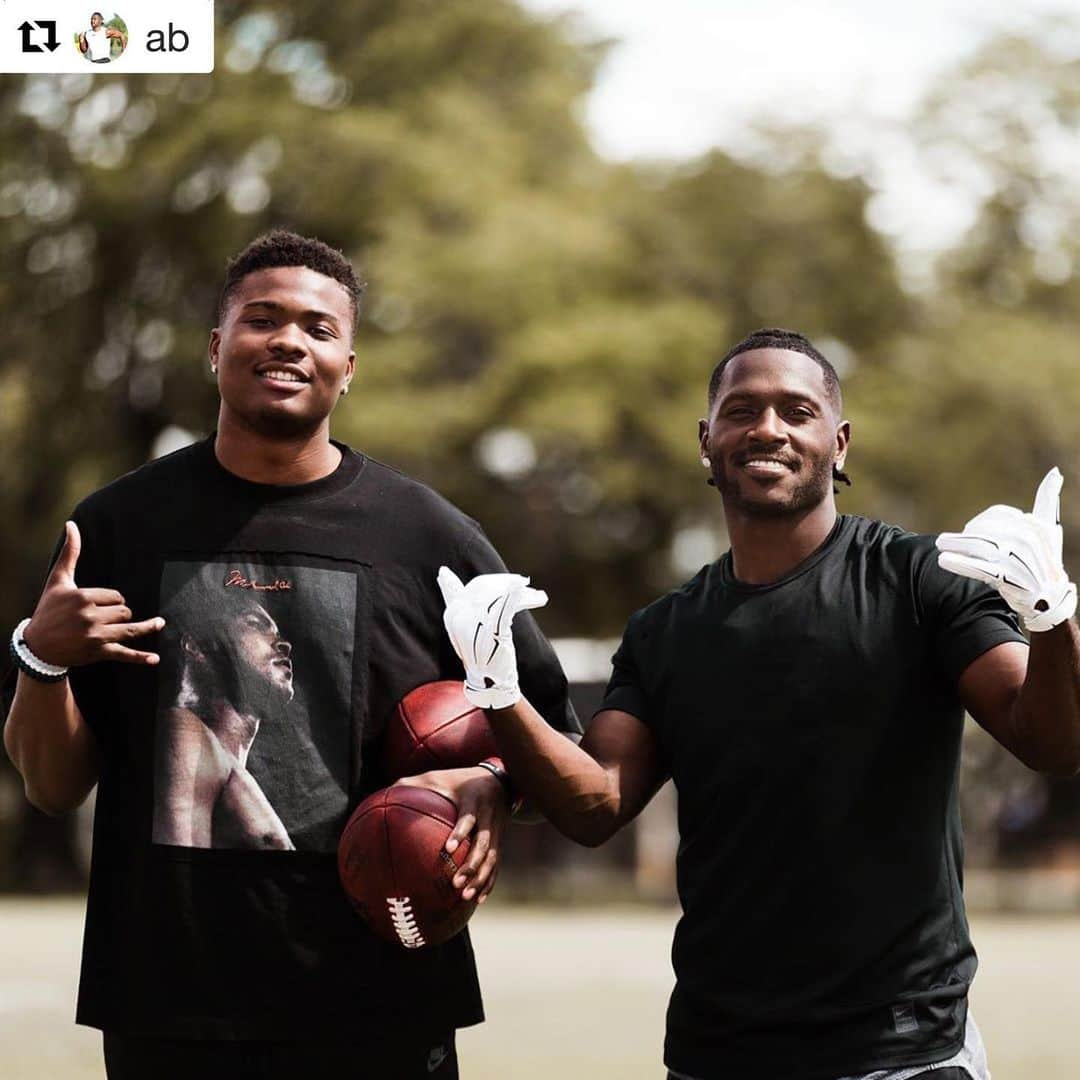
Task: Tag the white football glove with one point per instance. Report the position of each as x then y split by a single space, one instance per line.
477 619
1019 555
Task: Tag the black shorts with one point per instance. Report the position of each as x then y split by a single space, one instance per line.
401 1058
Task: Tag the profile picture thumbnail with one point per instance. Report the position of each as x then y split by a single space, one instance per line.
103 39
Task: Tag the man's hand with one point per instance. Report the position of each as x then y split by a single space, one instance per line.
483 812
72 626
1019 555
477 619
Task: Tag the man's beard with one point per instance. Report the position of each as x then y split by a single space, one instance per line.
229 676
259 690
278 425
808 494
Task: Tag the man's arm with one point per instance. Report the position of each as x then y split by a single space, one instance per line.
587 791
1029 699
46 736
51 745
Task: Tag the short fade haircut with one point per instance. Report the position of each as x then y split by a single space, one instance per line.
281 247
773 337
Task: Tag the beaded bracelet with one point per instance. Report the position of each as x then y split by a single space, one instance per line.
30 664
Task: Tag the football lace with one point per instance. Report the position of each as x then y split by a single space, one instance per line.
401 915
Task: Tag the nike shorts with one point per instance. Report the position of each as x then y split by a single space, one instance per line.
404 1058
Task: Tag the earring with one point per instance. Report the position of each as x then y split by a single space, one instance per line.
345 389
213 369
707 462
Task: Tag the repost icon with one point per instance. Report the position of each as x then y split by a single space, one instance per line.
29 29
69 36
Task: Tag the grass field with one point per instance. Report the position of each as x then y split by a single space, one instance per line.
569 994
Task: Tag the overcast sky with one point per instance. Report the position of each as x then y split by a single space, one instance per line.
690 74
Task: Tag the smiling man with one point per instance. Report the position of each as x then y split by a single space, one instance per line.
240 619
806 694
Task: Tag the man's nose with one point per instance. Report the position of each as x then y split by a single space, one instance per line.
285 648
768 427
287 339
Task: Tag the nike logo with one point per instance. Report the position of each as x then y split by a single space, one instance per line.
436 1058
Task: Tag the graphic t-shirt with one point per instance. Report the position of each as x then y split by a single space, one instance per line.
296 618
812 729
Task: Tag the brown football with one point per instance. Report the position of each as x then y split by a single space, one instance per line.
395 871
436 727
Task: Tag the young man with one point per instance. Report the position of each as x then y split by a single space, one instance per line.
96 42
806 694
266 580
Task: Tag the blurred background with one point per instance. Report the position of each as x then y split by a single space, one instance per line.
565 213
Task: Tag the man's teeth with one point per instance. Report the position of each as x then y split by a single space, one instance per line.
284 376
766 463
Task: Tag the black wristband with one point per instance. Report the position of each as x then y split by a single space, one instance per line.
26 669
496 769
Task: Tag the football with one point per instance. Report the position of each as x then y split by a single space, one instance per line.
395 871
436 727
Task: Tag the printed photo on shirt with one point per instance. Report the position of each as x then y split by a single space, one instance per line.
252 740
103 39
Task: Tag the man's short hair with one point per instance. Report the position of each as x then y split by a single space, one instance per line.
98 14
773 337
281 247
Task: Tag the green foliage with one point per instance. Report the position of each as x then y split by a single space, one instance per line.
540 323
978 399
972 414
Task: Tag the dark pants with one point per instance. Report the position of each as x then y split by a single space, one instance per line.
402 1058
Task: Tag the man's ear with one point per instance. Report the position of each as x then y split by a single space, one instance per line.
703 436
843 437
190 648
214 346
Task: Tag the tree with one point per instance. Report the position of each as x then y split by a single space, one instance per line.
518 284
540 324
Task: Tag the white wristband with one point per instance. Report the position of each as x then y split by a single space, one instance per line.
23 653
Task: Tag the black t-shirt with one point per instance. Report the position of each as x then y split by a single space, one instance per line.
314 609
812 729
